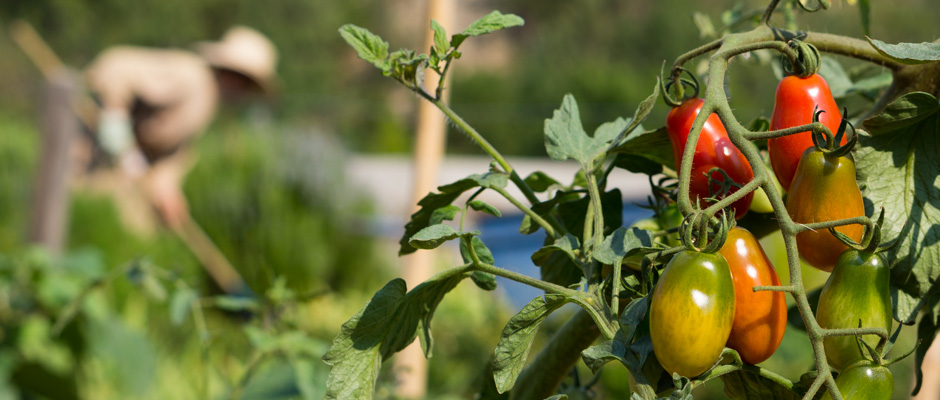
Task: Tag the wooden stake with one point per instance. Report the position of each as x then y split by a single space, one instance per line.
411 367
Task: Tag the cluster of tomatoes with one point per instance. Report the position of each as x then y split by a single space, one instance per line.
704 301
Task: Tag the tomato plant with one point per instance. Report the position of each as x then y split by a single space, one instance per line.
685 295
865 380
795 102
698 287
760 318
856 291
824 189
713 150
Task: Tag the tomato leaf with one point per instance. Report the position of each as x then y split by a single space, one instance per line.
433 236
624 242
652 145
489 23
442 214
448 193
440 39
566 245
516 339
540 182
480 205
898 170
368 46
908 53
566 138
748 384
386 325
483 280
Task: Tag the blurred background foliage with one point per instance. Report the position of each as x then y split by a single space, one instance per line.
269 187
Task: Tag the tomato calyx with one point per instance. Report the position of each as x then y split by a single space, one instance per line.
876 355
830 145
695 231
676 82
871 240
806 62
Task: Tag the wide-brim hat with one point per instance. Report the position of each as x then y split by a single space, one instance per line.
245 51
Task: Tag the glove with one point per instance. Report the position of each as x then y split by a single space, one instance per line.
114 131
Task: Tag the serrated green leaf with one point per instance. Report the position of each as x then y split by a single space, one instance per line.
447 194
446 213
565 136
540 182
368 46
386 325
181 303
748 384
908 53
354 356
624 242
558 397
898 171
433 236
441 45
406 65
516 339
480 205
491 22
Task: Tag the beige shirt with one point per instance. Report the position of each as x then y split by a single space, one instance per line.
171 95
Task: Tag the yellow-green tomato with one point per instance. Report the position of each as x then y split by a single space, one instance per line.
857 291
691 312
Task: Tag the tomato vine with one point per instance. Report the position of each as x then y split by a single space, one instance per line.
574 267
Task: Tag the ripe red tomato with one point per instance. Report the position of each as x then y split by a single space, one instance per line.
691 311
794 104
760 318
824 189
714 149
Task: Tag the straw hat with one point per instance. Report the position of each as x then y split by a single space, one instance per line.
246 51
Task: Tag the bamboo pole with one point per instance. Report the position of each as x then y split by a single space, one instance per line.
410 366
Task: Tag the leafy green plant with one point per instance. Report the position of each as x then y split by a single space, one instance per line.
583 233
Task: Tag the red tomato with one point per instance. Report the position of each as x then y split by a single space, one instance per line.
714 149
795 102
760 318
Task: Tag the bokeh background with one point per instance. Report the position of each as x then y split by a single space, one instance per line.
274 188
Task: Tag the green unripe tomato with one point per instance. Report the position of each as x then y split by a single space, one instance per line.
691 312
865 381
856 290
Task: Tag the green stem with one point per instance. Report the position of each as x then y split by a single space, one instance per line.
549 228
863 220
595 195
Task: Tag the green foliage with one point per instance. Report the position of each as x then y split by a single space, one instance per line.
387 324
748 384
904 137
512 351
431 203
908 53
